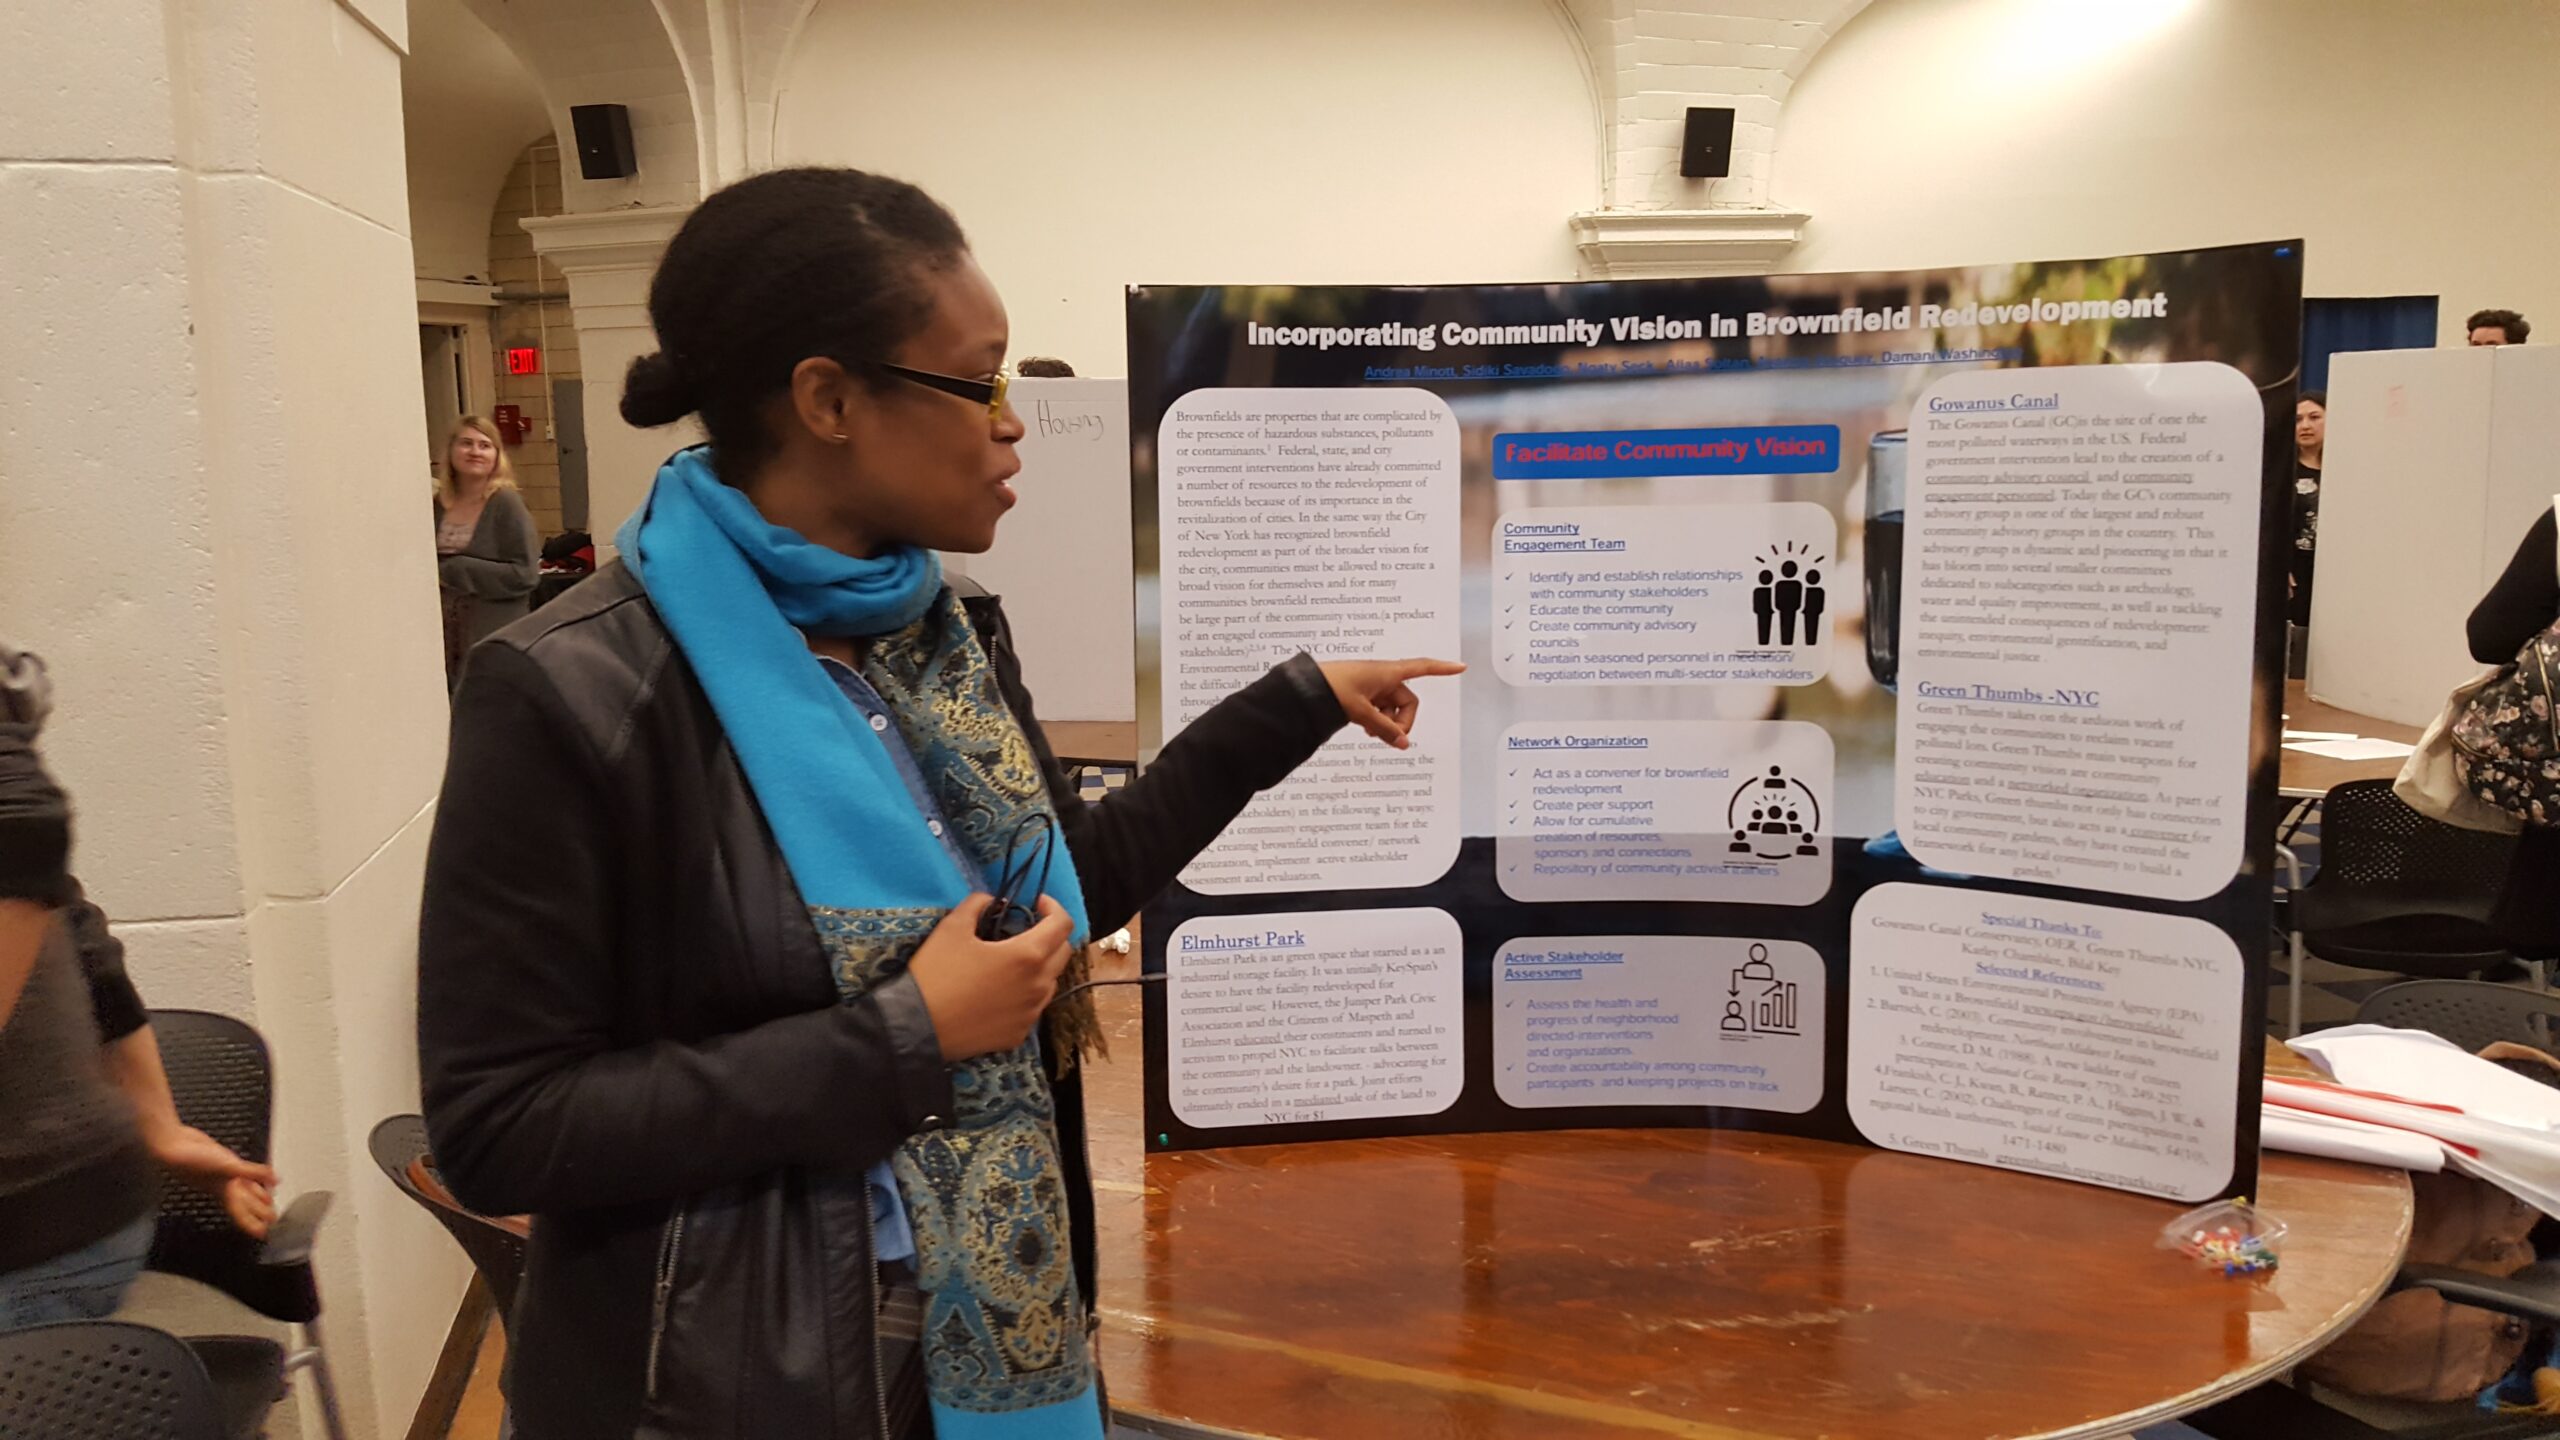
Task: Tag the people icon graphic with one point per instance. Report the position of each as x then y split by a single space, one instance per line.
1771 1001
1785 596
1774 817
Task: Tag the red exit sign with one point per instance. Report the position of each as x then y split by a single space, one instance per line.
524 360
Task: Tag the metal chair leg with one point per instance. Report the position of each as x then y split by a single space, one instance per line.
2293 884
2292 1021
325 1385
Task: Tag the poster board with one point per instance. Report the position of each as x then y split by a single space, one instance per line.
1870 724
2438 462
1062 552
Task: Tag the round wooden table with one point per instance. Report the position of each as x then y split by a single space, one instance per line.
1720 1286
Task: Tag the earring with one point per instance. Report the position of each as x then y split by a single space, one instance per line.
836 439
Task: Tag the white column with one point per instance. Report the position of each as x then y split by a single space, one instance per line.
609 258
215 527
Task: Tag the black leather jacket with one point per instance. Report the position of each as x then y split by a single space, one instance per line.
627 1027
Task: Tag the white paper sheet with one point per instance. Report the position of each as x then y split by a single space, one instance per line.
2496 1125
2075 652
2341 1139
2362 747
1259 563
2430 1069
2045 1035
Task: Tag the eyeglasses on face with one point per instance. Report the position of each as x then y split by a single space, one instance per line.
988 391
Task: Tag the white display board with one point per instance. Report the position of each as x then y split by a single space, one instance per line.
1061 559
2438 461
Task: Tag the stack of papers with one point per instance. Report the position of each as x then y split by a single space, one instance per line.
2306 1132
2353 747
2413 1100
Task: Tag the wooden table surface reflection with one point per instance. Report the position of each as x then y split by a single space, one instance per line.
1575 1285
2303 775
1093 742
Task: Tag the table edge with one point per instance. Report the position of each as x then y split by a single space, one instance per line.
2249 1379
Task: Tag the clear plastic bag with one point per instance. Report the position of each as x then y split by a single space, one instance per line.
2231 1236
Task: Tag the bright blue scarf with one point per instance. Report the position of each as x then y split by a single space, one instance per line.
1005 1348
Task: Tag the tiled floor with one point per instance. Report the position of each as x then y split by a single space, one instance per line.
1099 780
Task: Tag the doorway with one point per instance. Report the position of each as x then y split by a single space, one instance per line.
442 362
455 370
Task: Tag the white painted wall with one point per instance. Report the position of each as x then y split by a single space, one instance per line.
1089 147
2414 147
209 429
613 52
468 109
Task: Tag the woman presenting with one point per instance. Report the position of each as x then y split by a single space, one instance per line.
795 1104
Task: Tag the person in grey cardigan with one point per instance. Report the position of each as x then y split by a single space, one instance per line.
87 1124
488 554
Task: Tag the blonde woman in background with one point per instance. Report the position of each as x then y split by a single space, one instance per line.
488 555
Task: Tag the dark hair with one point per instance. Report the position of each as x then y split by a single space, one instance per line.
771 271
1043 367
2316 397
2515 325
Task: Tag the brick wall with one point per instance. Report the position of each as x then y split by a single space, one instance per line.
532 188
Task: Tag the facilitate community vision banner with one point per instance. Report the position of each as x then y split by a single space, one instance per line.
1870 723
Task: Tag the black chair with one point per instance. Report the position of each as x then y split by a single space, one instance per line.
224 1082
2472 1014
495 1248
2398 892
103 1380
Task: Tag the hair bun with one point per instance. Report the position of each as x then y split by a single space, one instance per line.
654 394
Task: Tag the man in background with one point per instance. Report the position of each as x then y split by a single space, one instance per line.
2496 327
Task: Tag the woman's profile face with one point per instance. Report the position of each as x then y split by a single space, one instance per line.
925 467
2310 424
473 456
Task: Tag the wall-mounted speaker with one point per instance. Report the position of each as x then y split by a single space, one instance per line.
1706 145
603 133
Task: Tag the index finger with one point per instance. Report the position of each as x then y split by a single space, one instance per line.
1422 668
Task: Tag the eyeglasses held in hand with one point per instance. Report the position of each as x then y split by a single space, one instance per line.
989 391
